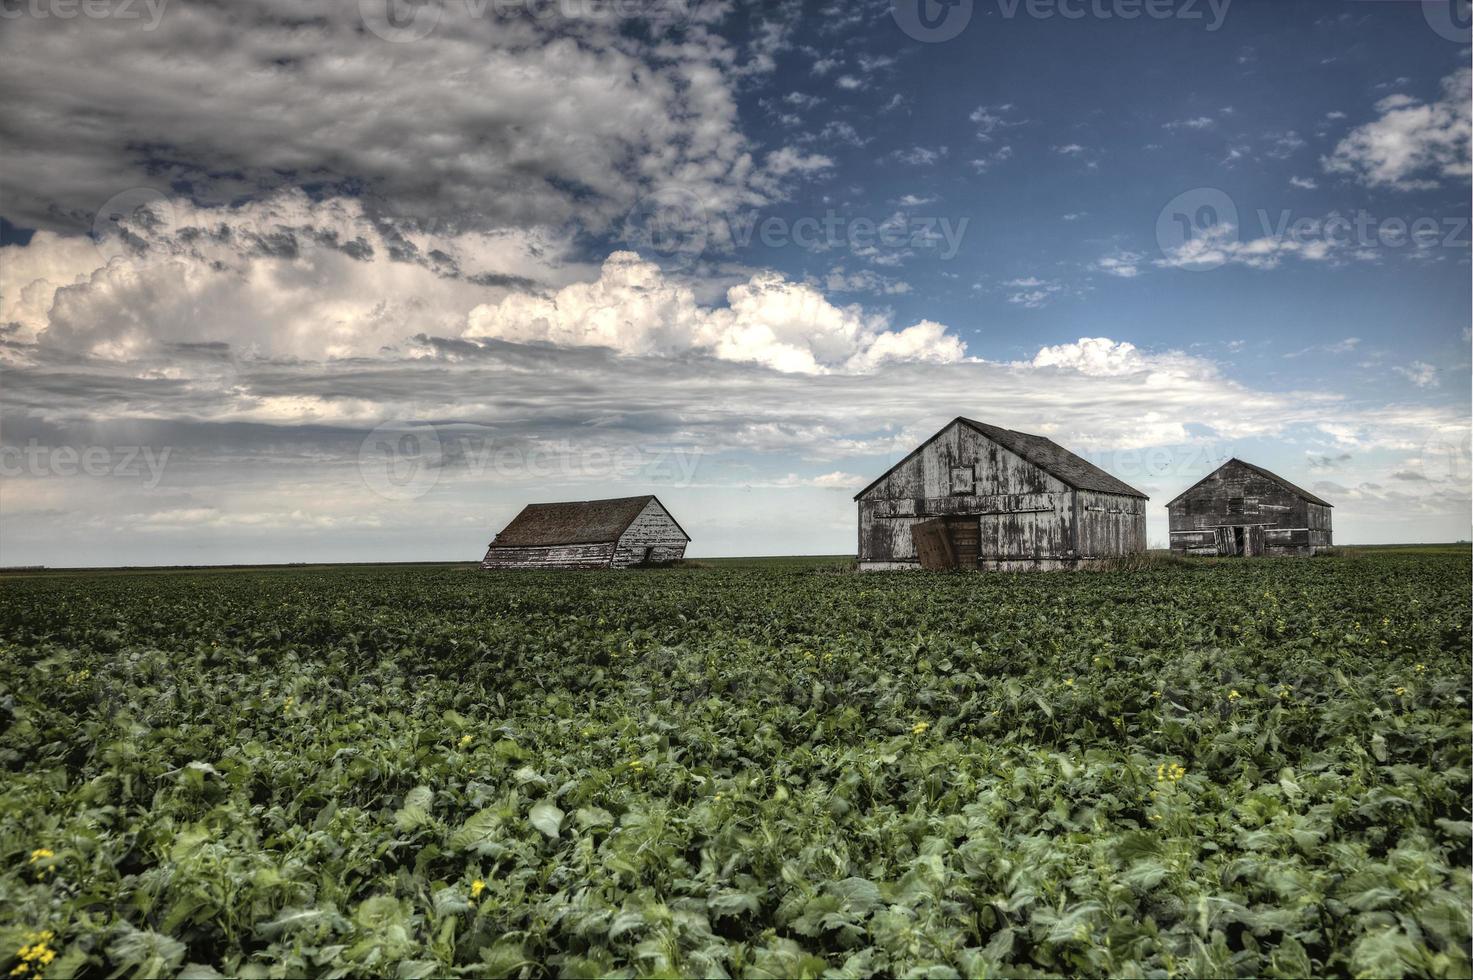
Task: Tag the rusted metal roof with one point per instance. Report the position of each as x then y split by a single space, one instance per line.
575 522
1266 474
1042 452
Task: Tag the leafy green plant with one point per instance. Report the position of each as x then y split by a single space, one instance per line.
1225 768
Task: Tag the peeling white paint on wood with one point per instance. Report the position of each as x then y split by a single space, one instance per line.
1026 517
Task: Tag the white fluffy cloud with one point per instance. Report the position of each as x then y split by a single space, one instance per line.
284 277
1413 144
634 308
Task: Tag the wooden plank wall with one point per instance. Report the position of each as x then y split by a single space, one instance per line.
1237 496
551 556
652 529
1111 525
963 472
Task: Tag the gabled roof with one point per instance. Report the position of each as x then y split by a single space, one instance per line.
576 522
1266 474
1047 455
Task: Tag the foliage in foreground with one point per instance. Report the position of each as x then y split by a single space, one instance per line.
1234 768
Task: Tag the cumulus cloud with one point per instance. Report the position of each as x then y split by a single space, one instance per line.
495 119
282 277
1412 145
633 308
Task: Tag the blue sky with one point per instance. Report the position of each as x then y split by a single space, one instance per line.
305 281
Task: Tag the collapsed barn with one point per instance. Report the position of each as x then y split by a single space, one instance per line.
1245 510
979 496
621 532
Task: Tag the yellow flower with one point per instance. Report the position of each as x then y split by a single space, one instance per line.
36 954
41 853
287 704
636 765
465 740
1233 695
1156 695
1068 682
477 887
1155 816
1283 692
919 728
1421 667
1171 773
1400 691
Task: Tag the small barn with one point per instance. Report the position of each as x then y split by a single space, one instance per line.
980 496
618 533
1242 509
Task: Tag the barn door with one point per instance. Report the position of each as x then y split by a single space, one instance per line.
1227 543
1253 540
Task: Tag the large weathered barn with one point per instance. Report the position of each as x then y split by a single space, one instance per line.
979 496
618 533
1242 509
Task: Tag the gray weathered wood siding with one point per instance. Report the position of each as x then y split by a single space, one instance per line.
552 556
654 532
1110 525
1026 517
1239 496
963 472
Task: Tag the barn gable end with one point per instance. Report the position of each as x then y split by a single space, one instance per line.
1243 509
618 532
977 495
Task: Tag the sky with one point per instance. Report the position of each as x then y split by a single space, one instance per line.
330 280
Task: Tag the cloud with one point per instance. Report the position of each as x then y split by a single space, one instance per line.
1197 122
1069 150
1345 346
1220 245
1413 144
547 120
1123 264
983 164
991 118
632 308
1419 373
1031 292
1303 183
920 156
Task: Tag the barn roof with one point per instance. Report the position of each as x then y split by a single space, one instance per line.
576 522
1071 470
1266 474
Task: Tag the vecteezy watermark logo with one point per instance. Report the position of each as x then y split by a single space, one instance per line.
1194 226
1450 18
932 21
1200 230
405 460
941 20
34 459
151 10
672 223
400 21
401 460
1448 456
130 220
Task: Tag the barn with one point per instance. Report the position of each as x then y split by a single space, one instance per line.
618 533
980 496
1242 509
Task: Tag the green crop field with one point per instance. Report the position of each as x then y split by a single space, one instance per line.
747 769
